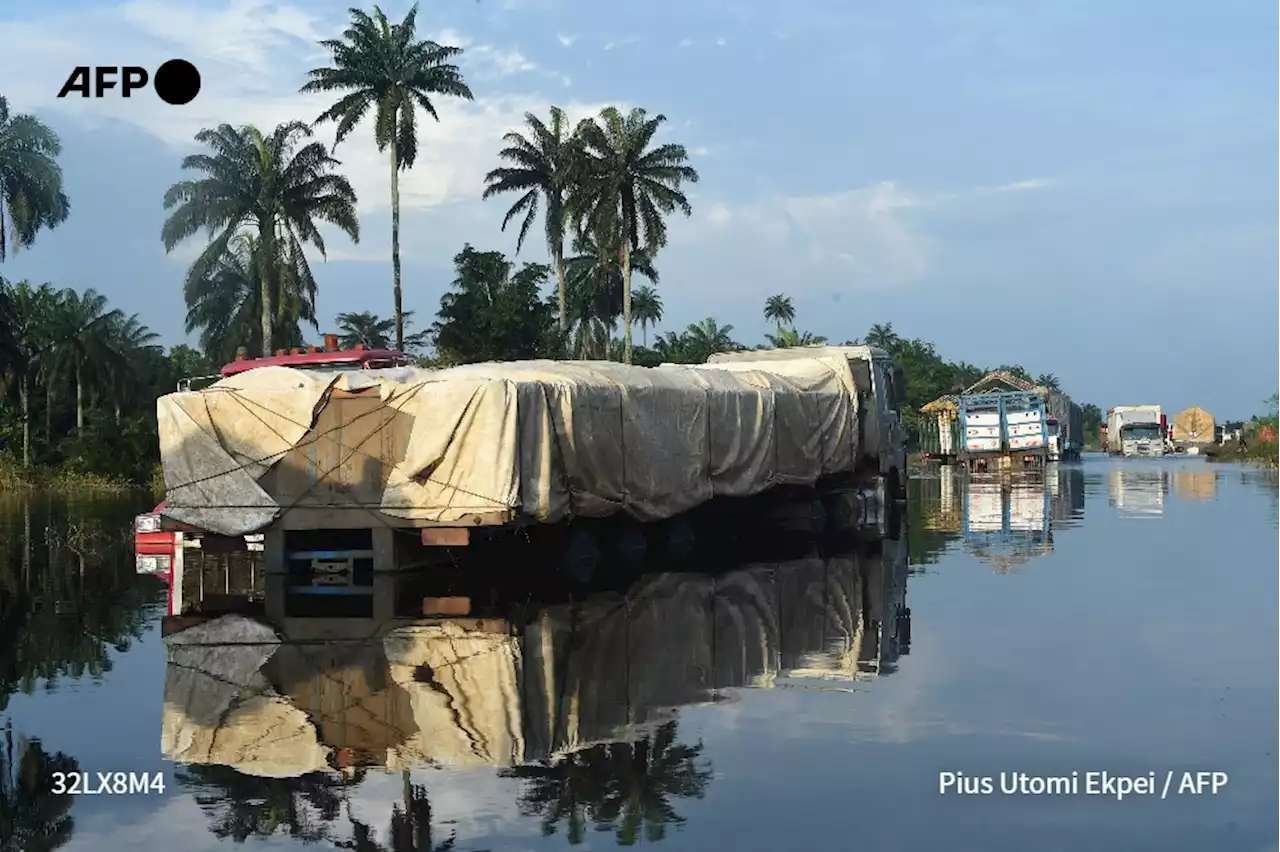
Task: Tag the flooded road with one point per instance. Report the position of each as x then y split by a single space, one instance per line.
1111 617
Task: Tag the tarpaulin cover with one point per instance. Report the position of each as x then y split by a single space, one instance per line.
549 439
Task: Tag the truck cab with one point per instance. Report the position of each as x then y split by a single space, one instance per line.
1055 439
162 545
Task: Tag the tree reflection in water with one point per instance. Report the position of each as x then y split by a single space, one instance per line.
32 819
411 826
69 597
241 806
620 787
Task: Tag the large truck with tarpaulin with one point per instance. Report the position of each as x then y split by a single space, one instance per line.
1003 431
339 481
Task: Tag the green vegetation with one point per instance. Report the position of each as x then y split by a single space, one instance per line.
1257 443
78 385
79 380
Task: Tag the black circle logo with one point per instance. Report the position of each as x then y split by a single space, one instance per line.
177 82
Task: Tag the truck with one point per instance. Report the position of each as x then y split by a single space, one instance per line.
1003 430
1192 430
314 488
160 544
939 429
1064 420
1135 430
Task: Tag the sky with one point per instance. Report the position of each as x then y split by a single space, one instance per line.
1087 189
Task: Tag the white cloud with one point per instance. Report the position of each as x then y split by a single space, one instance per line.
1022 185
504 62
685 42
566 40
720 42
620 42
252 56
874 237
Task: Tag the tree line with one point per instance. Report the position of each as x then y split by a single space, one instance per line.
79 379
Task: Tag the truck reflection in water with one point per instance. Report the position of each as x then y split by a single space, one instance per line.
578 700
1195 485
1007 523
1004 520
1137 493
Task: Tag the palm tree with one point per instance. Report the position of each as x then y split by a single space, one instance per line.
780 310
31 196
788 337
29 314
541 168
129 340
384 66
595 287
1050 381
622 180
225 304
696 343
275 186
646 309
83 348
882 336
371 331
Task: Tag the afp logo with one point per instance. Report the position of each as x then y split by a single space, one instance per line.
177 81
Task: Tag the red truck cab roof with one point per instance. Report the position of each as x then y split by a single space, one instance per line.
355 358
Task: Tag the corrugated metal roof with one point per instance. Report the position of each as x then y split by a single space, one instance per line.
946 402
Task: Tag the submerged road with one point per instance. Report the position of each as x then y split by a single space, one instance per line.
1080 660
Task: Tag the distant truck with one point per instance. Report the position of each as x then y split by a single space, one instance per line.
1003 430
1193 429
1136 430
1065 423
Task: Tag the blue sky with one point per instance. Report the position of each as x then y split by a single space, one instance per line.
1088 189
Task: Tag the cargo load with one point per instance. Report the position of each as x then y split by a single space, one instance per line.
1194 425
1002 429
485 444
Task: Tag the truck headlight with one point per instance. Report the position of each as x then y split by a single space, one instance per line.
146 524
147 563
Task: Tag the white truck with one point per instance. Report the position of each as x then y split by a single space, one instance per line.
1135 430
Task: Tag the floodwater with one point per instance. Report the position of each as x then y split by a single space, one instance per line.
1111 617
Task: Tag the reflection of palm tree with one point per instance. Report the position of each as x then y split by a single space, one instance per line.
411 826
241 806
43 641
619 787
32 819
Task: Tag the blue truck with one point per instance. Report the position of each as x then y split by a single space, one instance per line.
1003 431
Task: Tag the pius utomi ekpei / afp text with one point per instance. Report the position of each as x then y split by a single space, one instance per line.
1119 787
